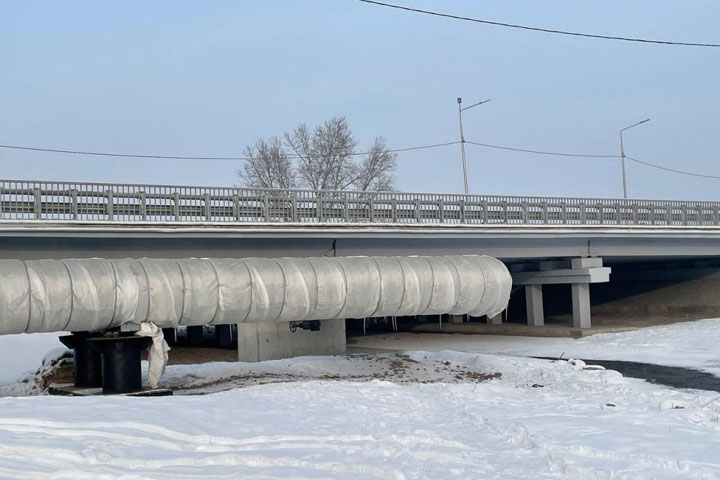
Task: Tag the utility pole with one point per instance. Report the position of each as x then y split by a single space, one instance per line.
462 138
462 146
622 154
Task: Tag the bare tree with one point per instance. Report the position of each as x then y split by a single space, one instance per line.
320 158
267 165
376 171
324 154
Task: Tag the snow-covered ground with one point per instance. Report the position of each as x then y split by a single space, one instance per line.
686 344
415 415
539 420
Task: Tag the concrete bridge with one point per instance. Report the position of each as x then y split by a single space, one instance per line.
544 240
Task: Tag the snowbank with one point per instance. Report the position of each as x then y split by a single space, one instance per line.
24 353
397 368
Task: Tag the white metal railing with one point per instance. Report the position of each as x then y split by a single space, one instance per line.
103 202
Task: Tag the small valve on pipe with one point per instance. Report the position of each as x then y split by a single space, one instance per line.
312 325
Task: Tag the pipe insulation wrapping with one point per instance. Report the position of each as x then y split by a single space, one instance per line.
96 294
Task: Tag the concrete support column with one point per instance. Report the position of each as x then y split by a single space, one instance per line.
496 320
581 305
534 303
274 340
456 318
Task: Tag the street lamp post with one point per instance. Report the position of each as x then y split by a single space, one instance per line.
462 138
622 154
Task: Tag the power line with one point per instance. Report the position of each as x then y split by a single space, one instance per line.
106 154
181 157
407 149
538 29
562 154
680 172
539 152
417 148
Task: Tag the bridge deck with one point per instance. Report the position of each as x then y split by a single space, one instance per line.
63 239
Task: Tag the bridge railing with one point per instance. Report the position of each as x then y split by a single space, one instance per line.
103 202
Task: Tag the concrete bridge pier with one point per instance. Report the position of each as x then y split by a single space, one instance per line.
534 302
578 272
496 320
580 293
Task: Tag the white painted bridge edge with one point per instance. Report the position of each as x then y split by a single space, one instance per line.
114 202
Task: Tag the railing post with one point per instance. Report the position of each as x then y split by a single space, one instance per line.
236 207
37 204
668 215
207 204
417 210
684 215
545 212
505 211
176 206
715 216
346 209
484 204
393 209
318 206
583 214
618 215
143 206
636 214
266 207
563 209
74 203
293 208
109 204
371 206
524 208
462 211
441 210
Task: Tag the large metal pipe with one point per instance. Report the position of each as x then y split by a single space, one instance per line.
96 294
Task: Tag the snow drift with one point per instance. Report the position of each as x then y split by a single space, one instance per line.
95 294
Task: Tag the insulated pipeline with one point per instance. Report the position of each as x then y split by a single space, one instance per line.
96 294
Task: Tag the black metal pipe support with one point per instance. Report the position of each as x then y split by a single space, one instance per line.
224 336
87 362
121 371
195 336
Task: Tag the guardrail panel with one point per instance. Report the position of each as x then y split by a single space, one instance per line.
88 202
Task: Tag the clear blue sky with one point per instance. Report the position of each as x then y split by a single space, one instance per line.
207 78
